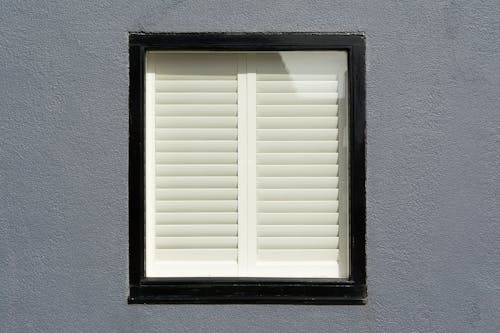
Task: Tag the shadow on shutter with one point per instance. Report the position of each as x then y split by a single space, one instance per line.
297 164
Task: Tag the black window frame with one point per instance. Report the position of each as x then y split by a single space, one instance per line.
351 290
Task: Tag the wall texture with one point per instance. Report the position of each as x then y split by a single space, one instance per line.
433 156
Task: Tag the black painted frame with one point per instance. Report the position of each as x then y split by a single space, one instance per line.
351 290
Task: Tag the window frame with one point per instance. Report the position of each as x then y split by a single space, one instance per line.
351 290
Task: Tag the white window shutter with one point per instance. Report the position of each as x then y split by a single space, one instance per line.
246 164
192 164
297 157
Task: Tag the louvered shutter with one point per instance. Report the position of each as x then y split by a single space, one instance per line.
246 164
193 164
297 157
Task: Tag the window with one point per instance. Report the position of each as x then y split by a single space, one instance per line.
247 168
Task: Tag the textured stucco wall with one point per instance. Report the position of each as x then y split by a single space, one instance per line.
433 112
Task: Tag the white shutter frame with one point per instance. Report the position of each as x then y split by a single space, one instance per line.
150 164
246 164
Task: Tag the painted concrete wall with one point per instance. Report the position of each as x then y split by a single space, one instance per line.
433 105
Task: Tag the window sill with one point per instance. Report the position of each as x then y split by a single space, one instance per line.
247 291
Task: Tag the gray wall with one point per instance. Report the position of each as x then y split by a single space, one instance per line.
432 154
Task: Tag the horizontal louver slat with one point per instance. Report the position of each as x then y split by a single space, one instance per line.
291 206
196 206
196 134
296 122
196 86
196 158
296 110
198 255
196 98
297 134
193 242
197 194
301 194
294 77
300 170
197 170
196 122
298 146
298 255
283 242
296 86
298 218
193 77
296 98
196 110
286 230
196 146
196 218
297 182
297 158
197 182
190 230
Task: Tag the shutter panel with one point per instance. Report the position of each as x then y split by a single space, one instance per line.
246 164
192 103
297 165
